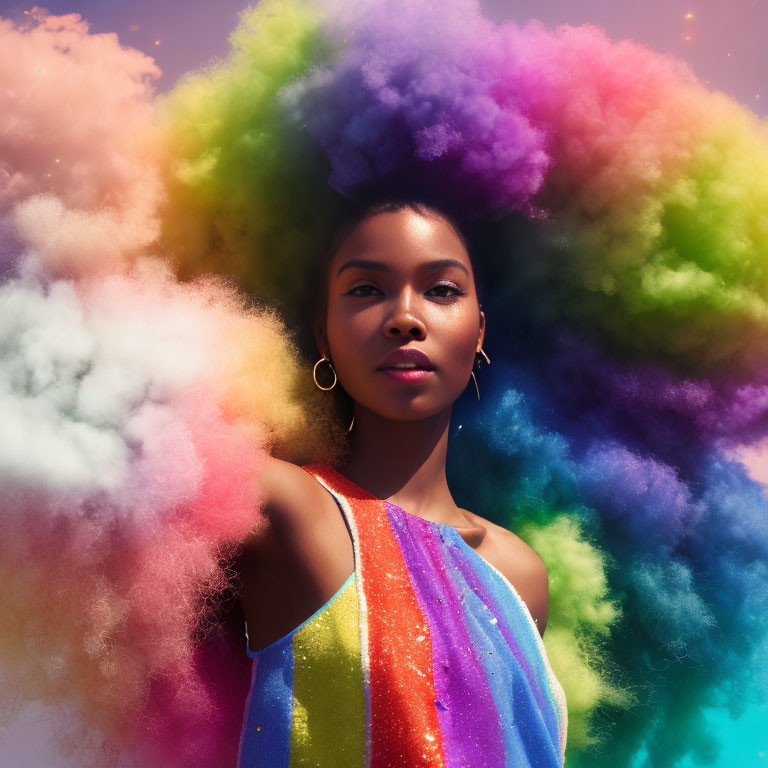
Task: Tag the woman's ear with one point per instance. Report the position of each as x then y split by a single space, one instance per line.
481 333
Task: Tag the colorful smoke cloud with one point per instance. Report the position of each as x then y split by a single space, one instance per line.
79 147
136 413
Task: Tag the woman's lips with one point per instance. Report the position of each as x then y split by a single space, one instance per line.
406 374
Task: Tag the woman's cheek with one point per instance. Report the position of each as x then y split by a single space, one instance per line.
464 344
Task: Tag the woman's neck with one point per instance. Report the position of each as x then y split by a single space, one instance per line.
404 462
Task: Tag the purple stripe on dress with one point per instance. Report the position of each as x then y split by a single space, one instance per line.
475 583
469 720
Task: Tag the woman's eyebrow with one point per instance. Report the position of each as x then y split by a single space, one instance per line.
382 267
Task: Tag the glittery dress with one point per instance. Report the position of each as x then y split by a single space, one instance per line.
426 656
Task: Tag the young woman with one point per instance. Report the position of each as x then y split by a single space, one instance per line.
388 626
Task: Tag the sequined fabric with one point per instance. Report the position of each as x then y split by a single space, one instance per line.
425 657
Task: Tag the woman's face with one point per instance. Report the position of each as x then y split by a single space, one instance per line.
403 281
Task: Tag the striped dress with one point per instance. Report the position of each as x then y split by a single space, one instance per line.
426 656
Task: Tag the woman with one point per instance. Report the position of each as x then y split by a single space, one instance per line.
404 630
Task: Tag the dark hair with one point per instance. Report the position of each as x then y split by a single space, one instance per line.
355 212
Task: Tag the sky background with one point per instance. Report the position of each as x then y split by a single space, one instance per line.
725 42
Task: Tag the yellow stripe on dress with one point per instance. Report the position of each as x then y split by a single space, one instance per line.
328 720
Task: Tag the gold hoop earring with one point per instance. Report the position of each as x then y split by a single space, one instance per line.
314 374
474 378
351 425
477 389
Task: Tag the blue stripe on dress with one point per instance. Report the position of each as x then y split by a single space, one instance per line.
267 730
519 626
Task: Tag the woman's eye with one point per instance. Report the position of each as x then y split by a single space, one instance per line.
362 288
453 290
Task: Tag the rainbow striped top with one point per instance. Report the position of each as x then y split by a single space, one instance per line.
425 657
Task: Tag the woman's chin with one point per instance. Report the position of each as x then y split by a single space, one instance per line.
415 409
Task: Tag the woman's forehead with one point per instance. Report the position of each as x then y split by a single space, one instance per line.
402 236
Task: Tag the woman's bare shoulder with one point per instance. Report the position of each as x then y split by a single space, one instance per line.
281 479
522 566
288 493
510 541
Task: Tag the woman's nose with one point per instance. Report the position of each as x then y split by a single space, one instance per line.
403 322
